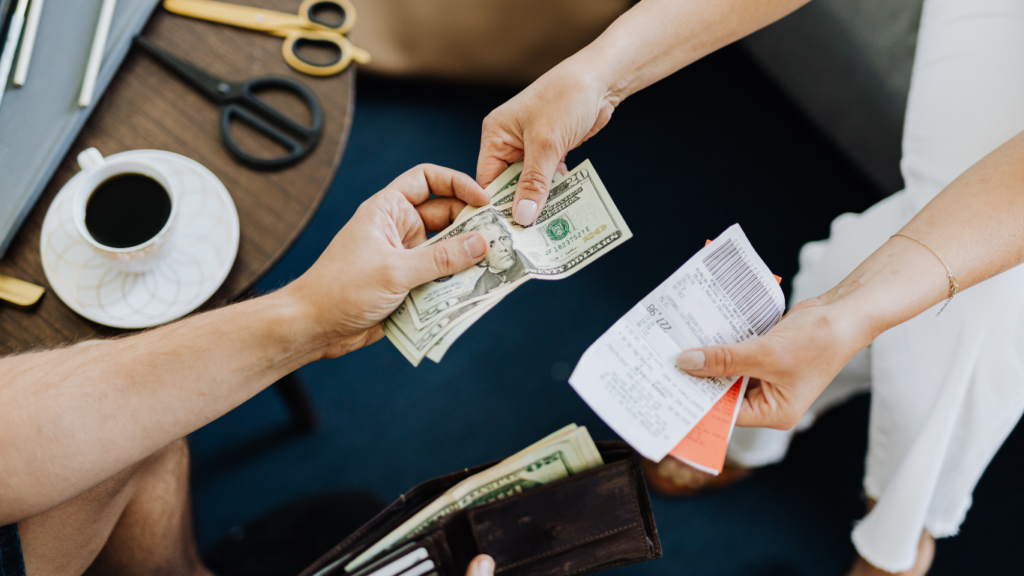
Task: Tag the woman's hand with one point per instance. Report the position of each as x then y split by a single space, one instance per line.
372 263
975 223
575 100
789 366
539 126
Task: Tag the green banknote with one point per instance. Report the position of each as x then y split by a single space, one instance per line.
564 453
579 224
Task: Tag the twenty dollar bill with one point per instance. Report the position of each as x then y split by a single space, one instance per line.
578 225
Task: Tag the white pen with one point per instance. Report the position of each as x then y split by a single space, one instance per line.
28 42
99 42
11 45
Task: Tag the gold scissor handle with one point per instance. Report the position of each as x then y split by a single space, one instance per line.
347 53
347 9
235 15
292 27
19 292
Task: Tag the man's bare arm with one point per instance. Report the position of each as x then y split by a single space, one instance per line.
73 417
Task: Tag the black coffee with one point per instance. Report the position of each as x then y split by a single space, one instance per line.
127 210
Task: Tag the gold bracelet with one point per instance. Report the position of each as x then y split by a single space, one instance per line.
953 286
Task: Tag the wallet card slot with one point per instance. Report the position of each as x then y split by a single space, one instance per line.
560 516
386 521
427 555
397 562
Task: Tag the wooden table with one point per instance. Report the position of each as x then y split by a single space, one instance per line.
147 106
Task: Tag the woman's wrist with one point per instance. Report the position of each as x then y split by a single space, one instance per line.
897 282
850 315
611 64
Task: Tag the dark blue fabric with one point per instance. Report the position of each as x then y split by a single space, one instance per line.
11 562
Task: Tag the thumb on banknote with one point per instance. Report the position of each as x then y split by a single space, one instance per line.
541 159
443 258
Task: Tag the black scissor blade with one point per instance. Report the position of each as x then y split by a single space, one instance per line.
211 86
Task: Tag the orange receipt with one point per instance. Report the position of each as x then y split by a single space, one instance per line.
705 446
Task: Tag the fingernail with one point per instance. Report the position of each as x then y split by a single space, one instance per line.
484 567
691 360
525 212
475 246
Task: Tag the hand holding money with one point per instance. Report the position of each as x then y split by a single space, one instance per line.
540 125
579 224
374 260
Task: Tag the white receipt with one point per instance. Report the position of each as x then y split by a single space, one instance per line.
722 295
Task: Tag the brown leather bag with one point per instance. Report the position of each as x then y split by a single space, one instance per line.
591 521
509 41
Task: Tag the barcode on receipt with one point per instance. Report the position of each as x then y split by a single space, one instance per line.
741 283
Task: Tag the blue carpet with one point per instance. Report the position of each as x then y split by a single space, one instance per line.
713 145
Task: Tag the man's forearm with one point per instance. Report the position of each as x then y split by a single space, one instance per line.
71 418
658 37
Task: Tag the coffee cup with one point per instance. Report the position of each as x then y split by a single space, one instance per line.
125 209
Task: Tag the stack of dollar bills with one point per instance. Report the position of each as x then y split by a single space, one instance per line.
578 225
566 452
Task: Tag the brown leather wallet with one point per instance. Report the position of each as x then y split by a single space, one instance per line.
591 521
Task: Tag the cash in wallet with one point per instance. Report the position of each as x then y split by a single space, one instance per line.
564 505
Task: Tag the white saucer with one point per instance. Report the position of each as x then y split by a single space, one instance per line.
200 253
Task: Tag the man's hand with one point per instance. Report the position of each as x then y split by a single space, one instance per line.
540 125
482 565
789 366
373 262
73 417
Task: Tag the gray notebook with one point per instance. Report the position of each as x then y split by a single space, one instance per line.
40 120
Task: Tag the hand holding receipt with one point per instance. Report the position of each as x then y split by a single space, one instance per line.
724 294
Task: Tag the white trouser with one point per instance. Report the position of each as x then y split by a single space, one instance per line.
946 391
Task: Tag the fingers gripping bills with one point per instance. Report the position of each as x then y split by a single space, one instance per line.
579 224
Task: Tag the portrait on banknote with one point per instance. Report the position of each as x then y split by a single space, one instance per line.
503 263
578 225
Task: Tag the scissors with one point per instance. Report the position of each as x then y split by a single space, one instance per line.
294 28
238 101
